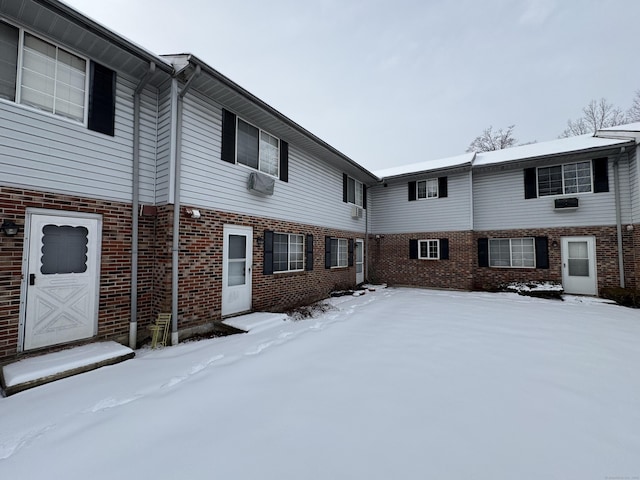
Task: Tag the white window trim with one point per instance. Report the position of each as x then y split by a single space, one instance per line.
426 181
21 32
355 192
260 132
427 241
564 193
511 252
346 249
289 270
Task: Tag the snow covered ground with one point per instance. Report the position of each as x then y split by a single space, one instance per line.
394 384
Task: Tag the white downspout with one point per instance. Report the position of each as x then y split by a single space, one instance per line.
135 206
175 247
616 181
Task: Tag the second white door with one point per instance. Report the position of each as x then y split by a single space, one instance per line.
236 269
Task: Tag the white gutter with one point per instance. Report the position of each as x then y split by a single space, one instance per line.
175 247
135 205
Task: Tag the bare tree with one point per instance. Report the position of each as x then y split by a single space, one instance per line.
490 140
633 114
596 115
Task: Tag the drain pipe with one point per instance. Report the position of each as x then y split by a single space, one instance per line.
135 205
616 181
175 247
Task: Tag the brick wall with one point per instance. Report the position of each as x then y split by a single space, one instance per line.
115 269
201 259
389 261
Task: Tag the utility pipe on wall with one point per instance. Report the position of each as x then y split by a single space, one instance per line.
135 205
175 247
616 181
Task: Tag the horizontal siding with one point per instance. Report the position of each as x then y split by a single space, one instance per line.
634 185
44 152
499 203
312 196
148 142
392 212
163 151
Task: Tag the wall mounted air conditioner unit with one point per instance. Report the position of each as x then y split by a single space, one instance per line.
261 183
565 203
356 212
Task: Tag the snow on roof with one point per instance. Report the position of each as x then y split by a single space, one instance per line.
629 127
459 160
542 149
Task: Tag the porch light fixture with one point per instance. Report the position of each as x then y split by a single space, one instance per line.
9 228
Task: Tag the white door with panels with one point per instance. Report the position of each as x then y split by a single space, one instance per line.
62 281
579 265
236 269
359 261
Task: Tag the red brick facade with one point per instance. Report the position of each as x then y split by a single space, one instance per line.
390 262
200 264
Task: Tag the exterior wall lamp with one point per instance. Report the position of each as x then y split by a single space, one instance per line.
9 228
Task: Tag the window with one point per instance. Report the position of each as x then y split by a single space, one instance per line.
257 149
427 188
429 249
39 74
288 252
339 252
512 252
355 192
564 179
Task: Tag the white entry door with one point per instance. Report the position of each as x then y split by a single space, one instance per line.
579 265
62 278
236 269
359 261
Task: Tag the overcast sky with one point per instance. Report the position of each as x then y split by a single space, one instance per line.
400 81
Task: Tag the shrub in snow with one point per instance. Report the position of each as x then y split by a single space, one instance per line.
535 289
627 297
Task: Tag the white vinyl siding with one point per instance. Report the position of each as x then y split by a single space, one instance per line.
43 152
339 252
390 212
288 252
429 249
499 202
512 252
313 194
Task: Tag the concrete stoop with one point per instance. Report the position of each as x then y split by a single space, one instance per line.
35 371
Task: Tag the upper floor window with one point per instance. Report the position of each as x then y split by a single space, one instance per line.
248 145
257 149
355 192
565 179
427 188
42 75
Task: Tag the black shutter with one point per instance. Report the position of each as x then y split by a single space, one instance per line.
600 175
351 252
228 136
483 252
309 253
267 265
542 252
327 252
102 99
442 187
412 191
284 161
345 183
444 249
530 184
364 196
413 248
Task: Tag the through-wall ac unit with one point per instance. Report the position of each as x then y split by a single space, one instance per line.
565 203
356 212
261 183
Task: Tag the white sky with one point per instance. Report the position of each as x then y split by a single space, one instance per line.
403 81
